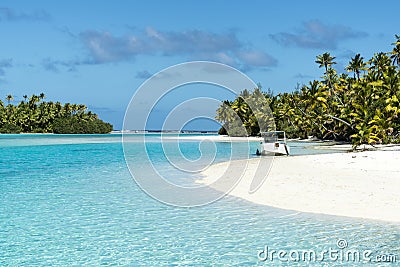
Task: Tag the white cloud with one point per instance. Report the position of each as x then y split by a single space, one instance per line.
103 47
5 63
256 58
8 14
315 34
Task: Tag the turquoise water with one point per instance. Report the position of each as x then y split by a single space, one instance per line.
70 201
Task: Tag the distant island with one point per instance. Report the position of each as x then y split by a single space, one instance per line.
34 115
363 108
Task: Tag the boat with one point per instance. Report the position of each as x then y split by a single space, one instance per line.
274 144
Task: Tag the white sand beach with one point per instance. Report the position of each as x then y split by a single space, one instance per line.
359 184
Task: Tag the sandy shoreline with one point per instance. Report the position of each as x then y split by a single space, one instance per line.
363 184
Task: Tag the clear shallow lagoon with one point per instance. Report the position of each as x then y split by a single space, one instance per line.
70 201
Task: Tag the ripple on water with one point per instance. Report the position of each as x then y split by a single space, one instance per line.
71 205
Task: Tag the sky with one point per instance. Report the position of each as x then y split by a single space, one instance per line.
100 52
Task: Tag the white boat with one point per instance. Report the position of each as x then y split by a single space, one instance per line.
274 143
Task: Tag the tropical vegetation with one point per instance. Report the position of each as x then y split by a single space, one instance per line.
34 115
359 106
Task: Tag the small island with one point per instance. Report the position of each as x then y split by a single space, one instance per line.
34 115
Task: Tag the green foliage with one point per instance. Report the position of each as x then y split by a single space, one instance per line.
10 128
222 131
73 125
247 114
363 109
34 115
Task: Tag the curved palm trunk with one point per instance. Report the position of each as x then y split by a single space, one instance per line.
338 119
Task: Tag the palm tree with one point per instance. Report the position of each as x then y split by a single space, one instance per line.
42 96
356 64
67 109
331 79
224 113
396 51
315 97
240 106
396 55
74 108
9 98
325 60
33 100
259 116
379 63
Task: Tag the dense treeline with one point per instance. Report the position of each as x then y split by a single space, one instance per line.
34 115
361 106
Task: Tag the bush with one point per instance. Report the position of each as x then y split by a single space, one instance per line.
10 128
222 131
238 131
73 125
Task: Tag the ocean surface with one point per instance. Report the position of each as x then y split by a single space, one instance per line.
69 200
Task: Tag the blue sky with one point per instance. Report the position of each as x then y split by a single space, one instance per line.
100 52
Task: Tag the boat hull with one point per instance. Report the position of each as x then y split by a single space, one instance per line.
274 149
